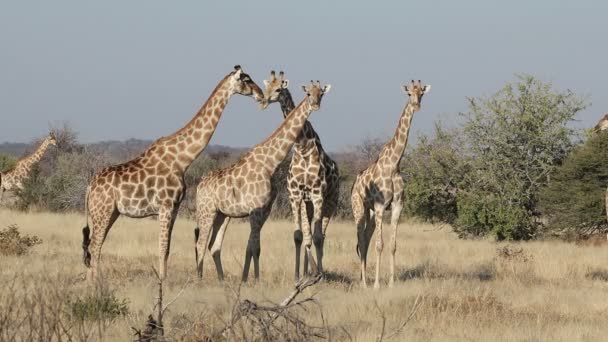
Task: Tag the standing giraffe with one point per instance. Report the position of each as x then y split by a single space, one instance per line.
602 125
153 183
245 188
13 179
313 181
381 185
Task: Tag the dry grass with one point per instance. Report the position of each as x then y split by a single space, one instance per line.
468 290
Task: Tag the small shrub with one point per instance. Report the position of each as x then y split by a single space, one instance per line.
601 275
100 306
13 243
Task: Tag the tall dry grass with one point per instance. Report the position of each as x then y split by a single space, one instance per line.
467 290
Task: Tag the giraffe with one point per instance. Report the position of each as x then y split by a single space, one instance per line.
313 180
12 179
601 125
245 188
380 186
153 183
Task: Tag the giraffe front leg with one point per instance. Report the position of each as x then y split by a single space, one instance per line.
306 214
297 234
378 213
397 206
359 214
318 234
166 218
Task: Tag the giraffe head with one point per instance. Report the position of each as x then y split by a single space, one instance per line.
274 87
415 91
51 139
602 125
241 83
315 92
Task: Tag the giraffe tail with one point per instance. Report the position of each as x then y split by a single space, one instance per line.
197 232
86 232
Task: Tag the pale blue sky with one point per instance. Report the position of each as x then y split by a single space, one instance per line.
122 69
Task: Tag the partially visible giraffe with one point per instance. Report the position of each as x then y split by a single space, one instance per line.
381 185
313 181
153 183
601 125
245 188
12 179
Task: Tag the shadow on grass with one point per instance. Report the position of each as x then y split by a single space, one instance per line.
428 271
597 275
337 277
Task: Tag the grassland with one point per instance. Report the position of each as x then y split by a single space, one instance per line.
467 290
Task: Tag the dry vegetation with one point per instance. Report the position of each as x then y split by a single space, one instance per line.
466 290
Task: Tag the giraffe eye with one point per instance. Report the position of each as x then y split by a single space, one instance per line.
277 90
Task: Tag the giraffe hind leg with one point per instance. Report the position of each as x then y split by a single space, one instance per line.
101 222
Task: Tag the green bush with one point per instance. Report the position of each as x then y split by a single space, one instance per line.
574 202
6 162
99 306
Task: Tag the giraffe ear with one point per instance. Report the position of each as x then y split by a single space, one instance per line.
237 74
326 88
404 88
285 83
426 88
304 88
266 83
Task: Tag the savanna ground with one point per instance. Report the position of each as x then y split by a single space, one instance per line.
466 290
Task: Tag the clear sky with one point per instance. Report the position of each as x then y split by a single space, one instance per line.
141 69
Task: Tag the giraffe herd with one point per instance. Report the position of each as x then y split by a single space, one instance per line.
153 183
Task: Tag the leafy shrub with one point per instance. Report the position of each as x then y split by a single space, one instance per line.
99 306
13 243
6 162
574 202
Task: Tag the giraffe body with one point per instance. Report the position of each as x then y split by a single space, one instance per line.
380 186
153 183
13 179
313 181
245 189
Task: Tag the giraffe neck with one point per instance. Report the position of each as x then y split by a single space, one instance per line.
287 106
26 164
181 148
393 150
283 138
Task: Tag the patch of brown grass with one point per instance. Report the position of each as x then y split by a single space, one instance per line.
468 290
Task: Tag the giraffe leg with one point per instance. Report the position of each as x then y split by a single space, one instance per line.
378 213
297 234
219 230
205 218
306 212
316 225
256 220
397 207
101 222
360 214
166 218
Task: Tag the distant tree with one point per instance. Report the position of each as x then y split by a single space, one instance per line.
574 202
516 138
